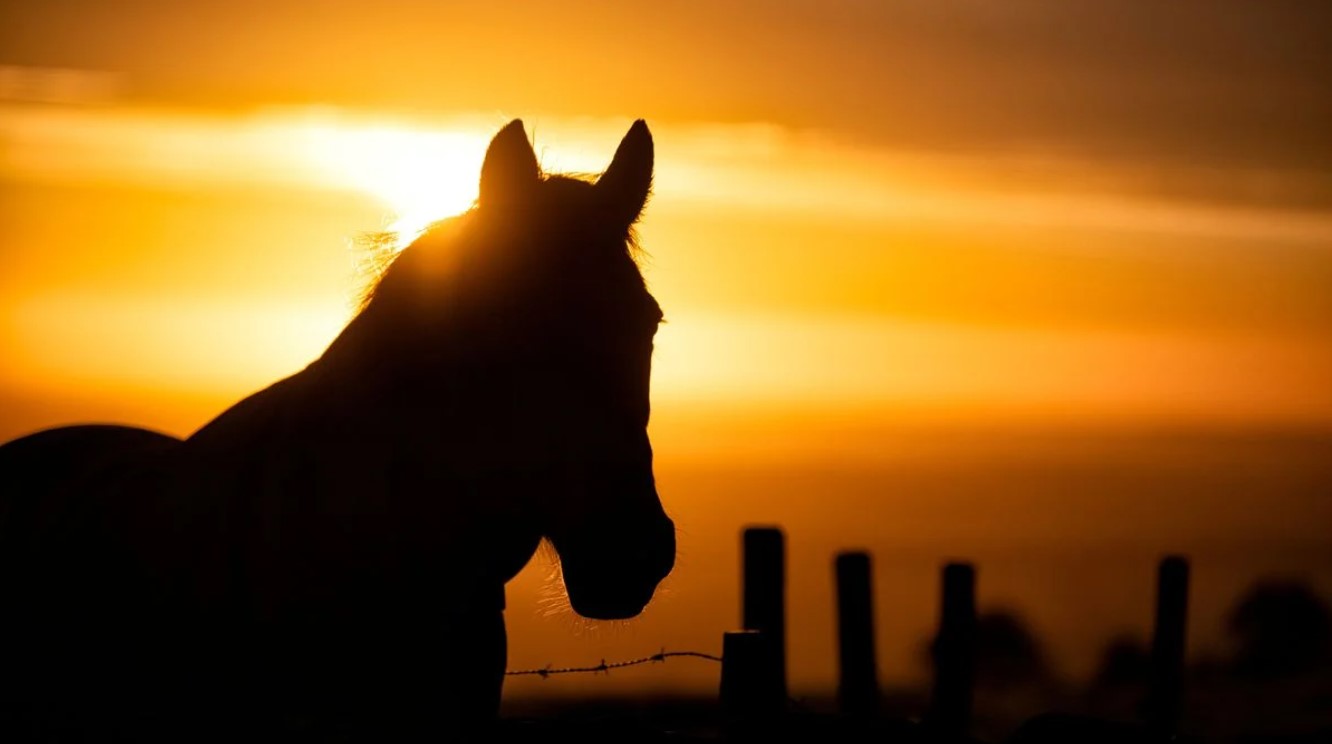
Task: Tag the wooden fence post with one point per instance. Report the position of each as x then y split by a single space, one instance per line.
748 689
955 651
858 681
1165 698
764 592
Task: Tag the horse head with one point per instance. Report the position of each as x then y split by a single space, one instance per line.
551 327
592 349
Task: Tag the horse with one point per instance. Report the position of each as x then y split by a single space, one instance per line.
329 555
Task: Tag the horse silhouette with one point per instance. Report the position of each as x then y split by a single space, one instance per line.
329 554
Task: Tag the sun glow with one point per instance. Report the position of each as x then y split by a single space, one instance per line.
421 176
424 175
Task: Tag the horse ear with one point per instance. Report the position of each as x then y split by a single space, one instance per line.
510 166
626 183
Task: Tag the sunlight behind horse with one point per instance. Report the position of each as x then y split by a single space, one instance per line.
421 174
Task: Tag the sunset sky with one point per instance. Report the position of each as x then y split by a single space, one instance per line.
871 219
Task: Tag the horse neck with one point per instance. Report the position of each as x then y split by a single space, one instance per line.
349 429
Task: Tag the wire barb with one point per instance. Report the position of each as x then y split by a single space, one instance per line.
604 667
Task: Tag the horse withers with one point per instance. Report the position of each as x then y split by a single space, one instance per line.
330 553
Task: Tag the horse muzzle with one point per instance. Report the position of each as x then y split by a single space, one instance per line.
614 577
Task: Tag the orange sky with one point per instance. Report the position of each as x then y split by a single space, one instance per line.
797 270
871 219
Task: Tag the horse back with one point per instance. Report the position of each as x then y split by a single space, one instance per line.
54 484
65 450
49 464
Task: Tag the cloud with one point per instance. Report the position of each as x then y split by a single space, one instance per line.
1220 82
756 166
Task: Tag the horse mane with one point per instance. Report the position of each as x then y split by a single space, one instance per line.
379 250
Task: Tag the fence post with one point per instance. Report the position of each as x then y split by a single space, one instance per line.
858 681
748 689
1165 697
764 592
955 651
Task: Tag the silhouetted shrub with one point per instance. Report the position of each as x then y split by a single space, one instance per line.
1281 628
1007 651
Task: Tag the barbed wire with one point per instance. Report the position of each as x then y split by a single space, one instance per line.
605 667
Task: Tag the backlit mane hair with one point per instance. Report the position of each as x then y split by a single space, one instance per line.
378 251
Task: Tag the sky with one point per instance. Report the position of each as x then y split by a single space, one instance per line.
885 234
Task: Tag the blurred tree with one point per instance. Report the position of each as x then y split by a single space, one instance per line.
1007 651
1281 628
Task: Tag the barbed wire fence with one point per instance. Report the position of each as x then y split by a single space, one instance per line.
604 666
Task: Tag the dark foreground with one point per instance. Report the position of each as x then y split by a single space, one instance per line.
1233 716
681 722
1219 714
